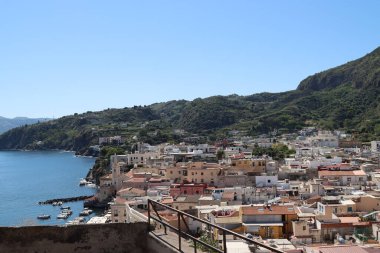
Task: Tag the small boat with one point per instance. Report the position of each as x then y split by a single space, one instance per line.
91 185
65 208
62 216
43 217
76 221
67 211
84 213
83 182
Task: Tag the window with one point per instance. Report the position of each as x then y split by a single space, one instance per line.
348 179
202 180
171 172
201 173
269 181
304 228
179 172
360 179
349 209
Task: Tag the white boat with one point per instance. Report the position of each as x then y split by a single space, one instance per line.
67 211
62 216
91 185
83 182
43 217
76 221
84 213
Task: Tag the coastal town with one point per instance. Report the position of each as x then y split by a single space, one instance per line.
324 195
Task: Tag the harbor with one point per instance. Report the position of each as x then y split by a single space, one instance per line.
37 181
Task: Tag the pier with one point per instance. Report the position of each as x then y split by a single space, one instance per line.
64 200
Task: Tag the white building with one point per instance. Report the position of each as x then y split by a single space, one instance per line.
266 181
375 146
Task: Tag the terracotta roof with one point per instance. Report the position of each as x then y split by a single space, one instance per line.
228 195
342 249
264 210
167 201
349 219
120 201
341 173
137 180
314 199
131 190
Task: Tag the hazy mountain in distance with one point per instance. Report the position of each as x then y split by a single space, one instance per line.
6 123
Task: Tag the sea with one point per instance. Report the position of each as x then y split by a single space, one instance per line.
28 177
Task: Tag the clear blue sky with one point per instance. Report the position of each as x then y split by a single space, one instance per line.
62 57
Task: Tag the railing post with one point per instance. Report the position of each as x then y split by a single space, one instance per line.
149 215
179 232
224 242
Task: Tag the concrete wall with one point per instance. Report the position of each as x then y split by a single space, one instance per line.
102 238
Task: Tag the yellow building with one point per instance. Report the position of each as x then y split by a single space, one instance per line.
195 172
273 221
249 166
176 174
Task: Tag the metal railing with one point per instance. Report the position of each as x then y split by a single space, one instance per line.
184 234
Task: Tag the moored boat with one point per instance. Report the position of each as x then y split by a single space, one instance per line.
82 182
43 217
67 211
62 216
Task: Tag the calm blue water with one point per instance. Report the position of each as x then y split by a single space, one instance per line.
29 177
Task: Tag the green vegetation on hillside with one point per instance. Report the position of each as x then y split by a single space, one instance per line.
346 97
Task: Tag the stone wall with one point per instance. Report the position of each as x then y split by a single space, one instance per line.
96 238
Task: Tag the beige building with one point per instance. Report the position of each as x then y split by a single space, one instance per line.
341 208
367 203
106 188
119 211
249 166
189 202
195 172
207 175
176 174
344 177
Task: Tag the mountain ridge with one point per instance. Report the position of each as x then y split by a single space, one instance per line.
345 97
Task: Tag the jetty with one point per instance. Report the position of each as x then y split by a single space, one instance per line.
63 200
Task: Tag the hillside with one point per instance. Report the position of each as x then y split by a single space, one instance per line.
345 97
6 123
